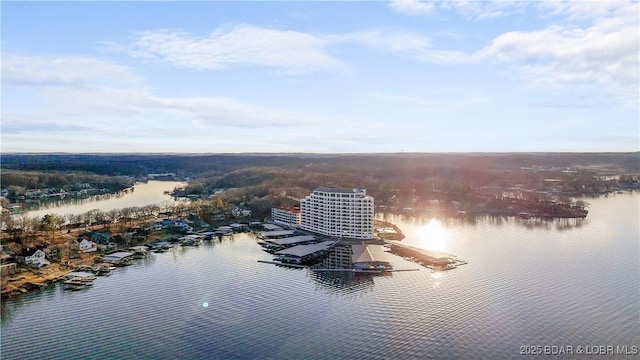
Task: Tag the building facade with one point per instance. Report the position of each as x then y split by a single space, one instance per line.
338 212
286 216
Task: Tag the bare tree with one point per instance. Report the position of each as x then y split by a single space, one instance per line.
74 219
112 217
150 211
167 207
8 226
61 220
127 214
99 217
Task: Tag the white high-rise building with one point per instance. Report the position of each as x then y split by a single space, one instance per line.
338 212
286 216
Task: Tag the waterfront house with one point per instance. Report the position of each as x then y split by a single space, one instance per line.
155 227
165 223
239 212
106 247
87 246
101 237
33 257
182 225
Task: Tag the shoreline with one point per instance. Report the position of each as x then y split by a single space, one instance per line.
29 279
26 279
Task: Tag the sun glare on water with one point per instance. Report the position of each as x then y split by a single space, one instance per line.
433 236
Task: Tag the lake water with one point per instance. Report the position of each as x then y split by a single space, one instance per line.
558 283
148 193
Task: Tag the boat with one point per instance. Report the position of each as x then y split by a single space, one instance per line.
123 262
139 252
524 215
104 270
77 283
84 276
69 285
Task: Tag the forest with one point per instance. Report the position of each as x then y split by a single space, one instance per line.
201 165
17 182
542 185
452 182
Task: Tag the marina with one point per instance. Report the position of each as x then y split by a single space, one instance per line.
546 282
431 259
303 253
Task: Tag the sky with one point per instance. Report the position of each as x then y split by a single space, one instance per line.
320 77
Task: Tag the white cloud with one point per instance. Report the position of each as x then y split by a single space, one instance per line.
470 9
102 105
412 7
410 45
580 10
111 107
291 52
65 70
238 45
442 99
224 111
479 10
605 51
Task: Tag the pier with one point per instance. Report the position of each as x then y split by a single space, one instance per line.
363 270
283 264
435 260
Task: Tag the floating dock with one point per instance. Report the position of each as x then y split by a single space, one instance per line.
434 260
363 270
283 264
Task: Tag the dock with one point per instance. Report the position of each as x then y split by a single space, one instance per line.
363 270
433 260
283 264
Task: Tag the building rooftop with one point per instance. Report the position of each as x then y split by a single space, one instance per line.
435 255
271 227
363 253
292 240
304 250
117 255
289 209
340 190
276 233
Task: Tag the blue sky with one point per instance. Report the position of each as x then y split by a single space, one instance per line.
324 77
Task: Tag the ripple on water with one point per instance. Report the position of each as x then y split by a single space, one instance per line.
523 285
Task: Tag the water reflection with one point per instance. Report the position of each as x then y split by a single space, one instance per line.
34 205
547 223
441 224
151 192
344 282
420 218
334 272
17 304
519 286
433 236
